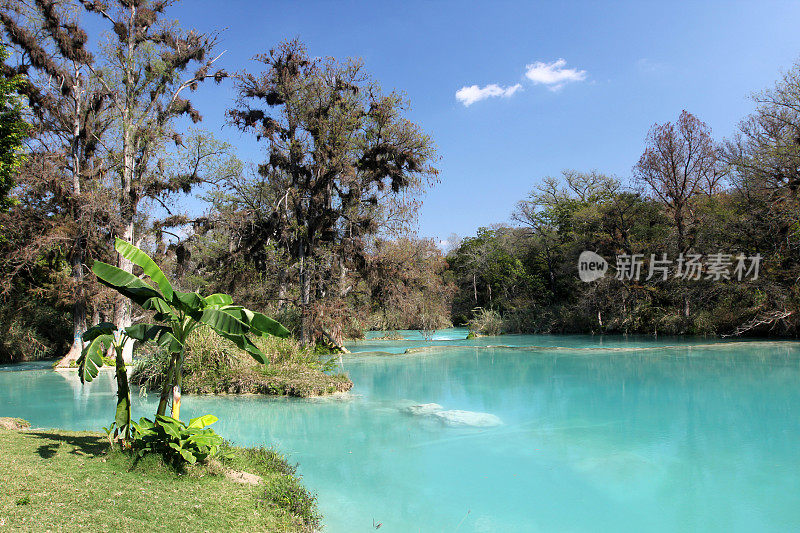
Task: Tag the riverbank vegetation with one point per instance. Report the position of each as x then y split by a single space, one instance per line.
109 155
53 478
216 366
319 232
703 239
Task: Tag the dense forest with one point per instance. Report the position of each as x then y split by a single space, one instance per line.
103 141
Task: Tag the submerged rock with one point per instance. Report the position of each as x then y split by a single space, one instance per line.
423 409
467 418
454 417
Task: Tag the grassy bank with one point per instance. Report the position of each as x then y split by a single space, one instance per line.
55 480
215 365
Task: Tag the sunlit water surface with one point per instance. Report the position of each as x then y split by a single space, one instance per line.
597 433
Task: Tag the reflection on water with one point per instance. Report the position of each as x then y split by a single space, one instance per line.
602 434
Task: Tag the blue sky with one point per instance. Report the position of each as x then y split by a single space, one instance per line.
633 64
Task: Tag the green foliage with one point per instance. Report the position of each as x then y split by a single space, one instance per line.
529 276
180 313
485 322
177 442
13 131
102 338
288 495
183 311
215 365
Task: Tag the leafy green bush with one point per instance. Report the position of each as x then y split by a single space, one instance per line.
486 322
177 442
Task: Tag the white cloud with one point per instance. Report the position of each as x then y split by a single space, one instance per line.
554 75
473 93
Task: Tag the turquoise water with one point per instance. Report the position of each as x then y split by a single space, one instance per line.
597 433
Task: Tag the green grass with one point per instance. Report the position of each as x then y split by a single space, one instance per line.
57 480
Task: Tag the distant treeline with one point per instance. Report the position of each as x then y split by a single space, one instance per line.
715 226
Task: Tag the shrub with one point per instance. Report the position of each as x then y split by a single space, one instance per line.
486 322
214 365
32 331
177 442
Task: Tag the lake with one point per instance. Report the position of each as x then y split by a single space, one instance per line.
530 433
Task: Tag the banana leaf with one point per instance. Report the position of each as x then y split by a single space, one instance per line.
138 257
202 421
103 328
243 343
190 302
221 321
123 282
218 300
91 359
264 325
146 332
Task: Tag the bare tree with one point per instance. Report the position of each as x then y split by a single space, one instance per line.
679 163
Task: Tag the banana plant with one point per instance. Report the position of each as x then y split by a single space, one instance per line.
100 339
177 314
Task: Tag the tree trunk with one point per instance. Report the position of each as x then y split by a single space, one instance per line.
343 288
123 416
305 297
122 306
78 251
283 290
78 314
166 387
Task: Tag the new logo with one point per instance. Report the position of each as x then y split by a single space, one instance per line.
591 266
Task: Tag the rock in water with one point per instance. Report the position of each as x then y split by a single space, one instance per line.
467 418
423 409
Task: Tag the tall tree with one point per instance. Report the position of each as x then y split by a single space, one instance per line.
69 114
147 69
548 213
764 163
679 164
336 145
